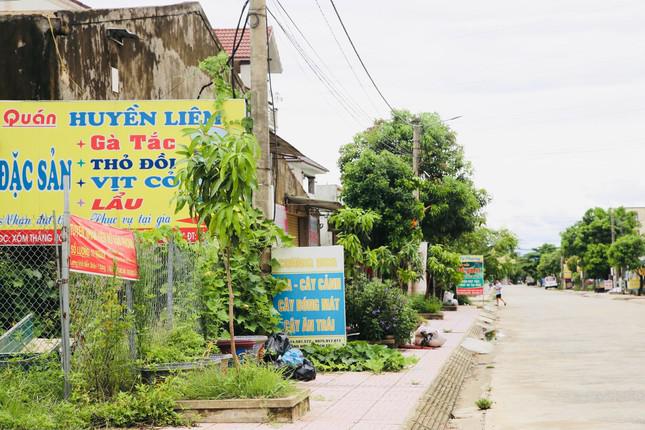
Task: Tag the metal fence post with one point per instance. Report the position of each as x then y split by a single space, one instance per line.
171 275
131 332
64 289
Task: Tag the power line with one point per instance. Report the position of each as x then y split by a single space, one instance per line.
320 58
316 69
236 46
359 57
350 103
340 47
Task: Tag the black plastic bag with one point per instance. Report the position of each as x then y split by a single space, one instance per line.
306 372
276 345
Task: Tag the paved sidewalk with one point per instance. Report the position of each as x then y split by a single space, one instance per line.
361 400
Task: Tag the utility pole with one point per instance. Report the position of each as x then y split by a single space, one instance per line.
613 239
263 197
416 150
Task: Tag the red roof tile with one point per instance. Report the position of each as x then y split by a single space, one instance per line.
226 37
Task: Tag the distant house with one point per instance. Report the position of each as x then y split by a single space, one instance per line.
328 192
229 37
297 209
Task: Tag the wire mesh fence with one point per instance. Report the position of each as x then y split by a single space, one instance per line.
111 320
29 301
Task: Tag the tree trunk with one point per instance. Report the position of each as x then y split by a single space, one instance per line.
641 285
231 303
429 280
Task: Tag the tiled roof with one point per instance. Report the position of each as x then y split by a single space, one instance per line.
226 37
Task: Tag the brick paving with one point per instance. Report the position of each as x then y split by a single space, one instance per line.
415 398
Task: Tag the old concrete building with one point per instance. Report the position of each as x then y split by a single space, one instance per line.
146 53
24 6
134 53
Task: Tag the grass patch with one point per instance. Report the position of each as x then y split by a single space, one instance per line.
484 404
253 381
423 305
357 357
33 399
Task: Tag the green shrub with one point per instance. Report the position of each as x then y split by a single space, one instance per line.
356 357
146 405
101 357
378 309
33 399
463 300
179 345
252 381
423 305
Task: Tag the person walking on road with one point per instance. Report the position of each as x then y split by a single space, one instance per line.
498 293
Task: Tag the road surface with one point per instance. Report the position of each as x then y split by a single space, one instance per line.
568 362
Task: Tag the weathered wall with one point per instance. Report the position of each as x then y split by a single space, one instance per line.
287 183
26 59
161 64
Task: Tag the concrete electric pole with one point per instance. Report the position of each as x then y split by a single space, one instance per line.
263 198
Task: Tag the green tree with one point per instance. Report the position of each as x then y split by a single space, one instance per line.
443 266
452 207
595 260
452 204
528 263
590 237
549 264
383 183
627 252
441 155
499 248
217 180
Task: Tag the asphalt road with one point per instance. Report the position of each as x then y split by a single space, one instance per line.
566 361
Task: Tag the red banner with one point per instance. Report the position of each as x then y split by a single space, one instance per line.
98 249
470 291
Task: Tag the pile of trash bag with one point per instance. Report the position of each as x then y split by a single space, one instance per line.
278 350
428 336
449 299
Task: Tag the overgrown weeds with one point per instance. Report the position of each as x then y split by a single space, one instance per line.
252 381
484 404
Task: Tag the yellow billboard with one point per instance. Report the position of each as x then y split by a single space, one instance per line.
120 155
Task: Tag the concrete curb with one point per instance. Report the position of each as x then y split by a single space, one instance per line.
435 407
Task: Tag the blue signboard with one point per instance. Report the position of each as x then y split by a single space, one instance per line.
312 307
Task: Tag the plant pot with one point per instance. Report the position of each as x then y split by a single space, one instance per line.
449 307
431 315
282 410
158 372
243 344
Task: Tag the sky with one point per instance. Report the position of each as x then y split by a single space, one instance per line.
551 93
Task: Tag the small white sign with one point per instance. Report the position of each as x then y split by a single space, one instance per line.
115 79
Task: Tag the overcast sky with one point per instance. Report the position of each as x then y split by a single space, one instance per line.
551 93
